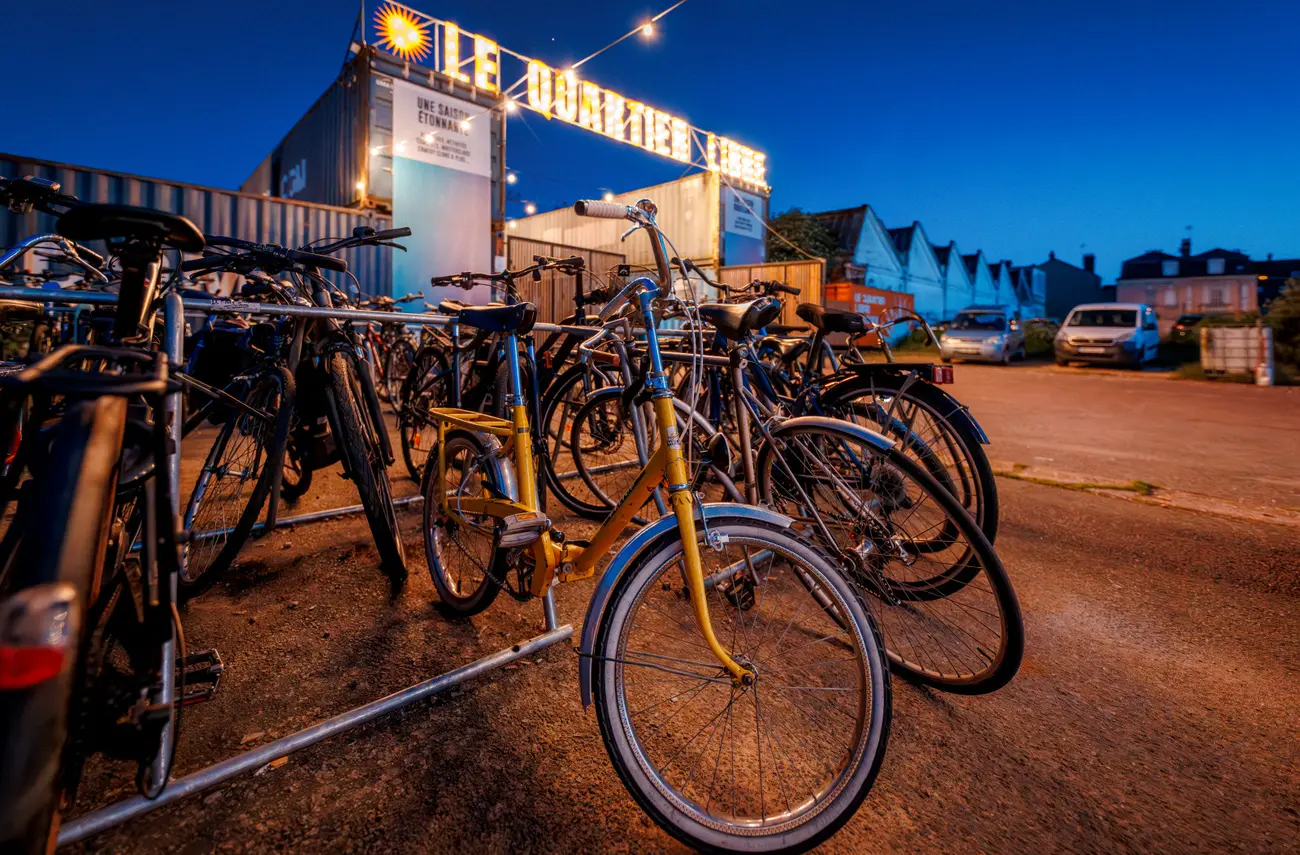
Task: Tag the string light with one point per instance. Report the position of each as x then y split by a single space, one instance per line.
609 197
512 106
361 186
464 124
530 209
511 178
648 30
513 224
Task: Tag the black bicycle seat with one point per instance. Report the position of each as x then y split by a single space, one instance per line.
786 329
518 318
737 320
108 222
786 348
831 320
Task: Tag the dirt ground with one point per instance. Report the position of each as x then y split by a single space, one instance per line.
1158 707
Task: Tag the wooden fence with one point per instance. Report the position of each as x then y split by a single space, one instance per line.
807 276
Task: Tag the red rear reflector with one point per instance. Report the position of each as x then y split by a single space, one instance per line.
24 667
942 374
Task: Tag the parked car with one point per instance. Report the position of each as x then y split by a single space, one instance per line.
986 333
1184 330
1108 333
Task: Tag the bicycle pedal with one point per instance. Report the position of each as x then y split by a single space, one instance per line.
522 529
202 672
739 591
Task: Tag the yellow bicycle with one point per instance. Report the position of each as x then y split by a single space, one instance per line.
740 686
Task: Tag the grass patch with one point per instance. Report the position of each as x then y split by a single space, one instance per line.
1017 473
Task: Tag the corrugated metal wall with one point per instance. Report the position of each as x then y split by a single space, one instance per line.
216 212
808 276
688 216
553 296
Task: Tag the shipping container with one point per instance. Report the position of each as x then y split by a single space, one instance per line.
553 295
689 216
341 151
807 276
216 212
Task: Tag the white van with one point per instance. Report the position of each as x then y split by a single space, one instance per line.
1112 333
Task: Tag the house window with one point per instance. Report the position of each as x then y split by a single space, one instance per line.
1214 266
1171 296
1169 268
1214 296
1245 296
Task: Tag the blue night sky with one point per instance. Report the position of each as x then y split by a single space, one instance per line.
1015 127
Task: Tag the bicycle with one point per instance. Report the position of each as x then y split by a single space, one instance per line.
947 610
665 657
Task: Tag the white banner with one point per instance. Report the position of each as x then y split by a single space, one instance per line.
434 128
737 218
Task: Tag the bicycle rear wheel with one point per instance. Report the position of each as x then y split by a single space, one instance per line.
236 479
365 463
398 362
427 385
777 766
64 523
938 591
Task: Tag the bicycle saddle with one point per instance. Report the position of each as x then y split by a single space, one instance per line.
449 307
831 320
737 320
786 329
786 348
106 222
518 318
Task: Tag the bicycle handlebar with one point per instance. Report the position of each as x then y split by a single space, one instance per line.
643 215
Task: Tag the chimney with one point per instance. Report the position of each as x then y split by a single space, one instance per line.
1051 256
1270 256
1090 262
1186 249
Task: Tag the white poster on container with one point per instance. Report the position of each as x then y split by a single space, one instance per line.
737 218
442 190
440 130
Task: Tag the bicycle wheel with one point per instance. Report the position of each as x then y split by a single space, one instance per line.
947 612
427 385
398 362
232 487
926 422
566 394
464 561
365 464
65 522
777 766
603 448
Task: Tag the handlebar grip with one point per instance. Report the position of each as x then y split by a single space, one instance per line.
206 263
600 209
598 295
574 261
390 234
786 289
311 259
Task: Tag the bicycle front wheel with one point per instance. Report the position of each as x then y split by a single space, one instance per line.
365 464
777 766
236 479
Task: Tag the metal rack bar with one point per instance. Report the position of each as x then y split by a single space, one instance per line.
115 814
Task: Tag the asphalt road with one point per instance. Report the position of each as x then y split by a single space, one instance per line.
1158 708
1228 440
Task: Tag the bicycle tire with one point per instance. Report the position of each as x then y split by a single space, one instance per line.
65 541
956 431
398 362
426 385
929 621
197 574
365 465
559 406
444 537
850 754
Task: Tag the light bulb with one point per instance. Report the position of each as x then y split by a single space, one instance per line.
530 209
511 178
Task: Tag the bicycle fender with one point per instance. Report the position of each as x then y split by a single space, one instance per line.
945 404
866 435
664 528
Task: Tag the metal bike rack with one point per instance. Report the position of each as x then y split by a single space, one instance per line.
115 814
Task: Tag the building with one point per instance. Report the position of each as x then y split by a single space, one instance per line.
1065 286
1220 282
922 277
1030 284
978 267
959 289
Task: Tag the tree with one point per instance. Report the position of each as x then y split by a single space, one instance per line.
1283 315
804 231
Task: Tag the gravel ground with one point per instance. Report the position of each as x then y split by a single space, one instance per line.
1156 709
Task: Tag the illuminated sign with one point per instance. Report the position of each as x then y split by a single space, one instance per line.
561 94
